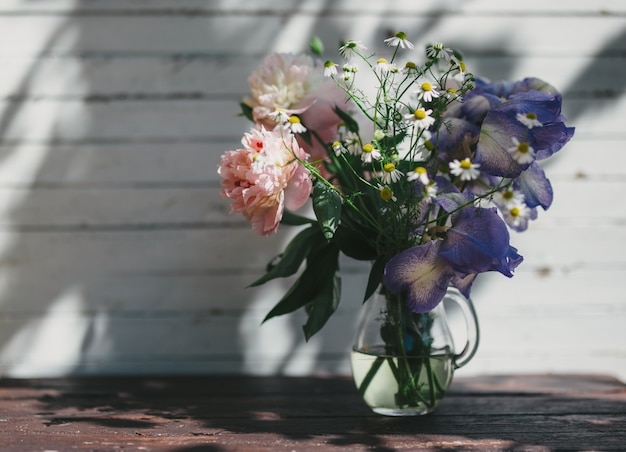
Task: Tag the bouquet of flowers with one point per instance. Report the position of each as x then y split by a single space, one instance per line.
422 173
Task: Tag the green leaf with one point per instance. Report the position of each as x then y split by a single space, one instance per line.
390 142
354 245
348 120
316 45
292 219
375 278
246 110
327 208
293 256
322 307
296 297
321 266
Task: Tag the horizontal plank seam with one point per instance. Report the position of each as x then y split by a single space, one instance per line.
289 12
130 96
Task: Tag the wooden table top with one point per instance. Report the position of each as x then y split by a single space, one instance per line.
223 413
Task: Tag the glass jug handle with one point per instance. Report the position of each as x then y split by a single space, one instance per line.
471 323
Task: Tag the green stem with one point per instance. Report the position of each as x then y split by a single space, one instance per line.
406 384
370 375
429 371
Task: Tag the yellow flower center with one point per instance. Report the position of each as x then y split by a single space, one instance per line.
523 147
429 145
515 211
420 170
462 66
466 164
389 167
368 148
508 194
531 116
426 86
386 194
420 114
381 61
294 119
336 144
451 90
410 65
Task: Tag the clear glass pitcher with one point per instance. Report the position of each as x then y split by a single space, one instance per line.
403 362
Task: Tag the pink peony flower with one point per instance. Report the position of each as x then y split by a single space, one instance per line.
264 177
296 84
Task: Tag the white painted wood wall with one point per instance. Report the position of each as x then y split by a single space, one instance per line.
117 254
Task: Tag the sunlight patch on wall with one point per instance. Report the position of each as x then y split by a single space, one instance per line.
50 345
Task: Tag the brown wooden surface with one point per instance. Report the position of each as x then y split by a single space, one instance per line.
219 413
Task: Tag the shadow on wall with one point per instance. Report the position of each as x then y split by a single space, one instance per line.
97 276
103 271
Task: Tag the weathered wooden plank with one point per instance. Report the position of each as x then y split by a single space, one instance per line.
181 164
149 250
101 336
85 207
202 206
142 250
532 291
119 165
197 207
224 344
200 7
207 120
111 77
128 34
160 413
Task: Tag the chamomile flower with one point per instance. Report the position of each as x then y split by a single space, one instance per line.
426 147
459 70
529 119
330 69
427 90
383 67
521 151
453 94
438 50
508 197
295 125
280 116
399 40
420 118
351 48
410 68
464 169
390 173
353 143
347 77
386 193
516 215
349 70
339 148
420 174
370 153
430 191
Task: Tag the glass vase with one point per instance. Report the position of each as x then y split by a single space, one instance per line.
403 362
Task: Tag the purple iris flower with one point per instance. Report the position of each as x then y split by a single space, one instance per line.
505 89
496 138
502 124
535 187
478 241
